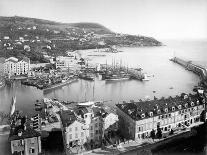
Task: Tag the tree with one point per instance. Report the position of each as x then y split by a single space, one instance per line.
152 134
159 133
203 116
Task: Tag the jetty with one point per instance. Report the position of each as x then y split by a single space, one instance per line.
198 69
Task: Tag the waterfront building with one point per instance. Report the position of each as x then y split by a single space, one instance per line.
73 129
138 119
23 139
98 122
13 66
87 123
65 62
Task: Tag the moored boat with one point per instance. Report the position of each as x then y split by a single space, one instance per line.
61 84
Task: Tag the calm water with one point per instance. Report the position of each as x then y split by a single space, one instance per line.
153 60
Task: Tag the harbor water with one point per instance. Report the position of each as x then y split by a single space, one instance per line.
165 78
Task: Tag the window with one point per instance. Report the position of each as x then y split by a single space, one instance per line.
96 125
91 134
169 115
91 127
173 108
31 150
70 129
192 104
22 142
70 136
82 134
96 131
76 128
143 115
76 135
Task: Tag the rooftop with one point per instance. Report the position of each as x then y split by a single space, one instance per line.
28 133
68 117
159 106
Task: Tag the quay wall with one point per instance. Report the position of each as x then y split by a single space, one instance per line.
198 69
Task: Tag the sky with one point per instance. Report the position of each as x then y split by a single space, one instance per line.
162 19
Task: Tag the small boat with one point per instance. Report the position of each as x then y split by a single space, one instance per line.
171 88
154 91
145 78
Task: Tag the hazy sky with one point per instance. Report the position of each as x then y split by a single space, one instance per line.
156 18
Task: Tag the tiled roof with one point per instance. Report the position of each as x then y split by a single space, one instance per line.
68 117
28 133
158 107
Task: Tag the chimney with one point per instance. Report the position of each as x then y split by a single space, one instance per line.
19 133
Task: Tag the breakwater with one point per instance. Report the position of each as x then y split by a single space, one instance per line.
201 71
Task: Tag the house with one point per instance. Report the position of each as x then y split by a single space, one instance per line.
27 48
23 139
98 122
138 119
6 38
73 129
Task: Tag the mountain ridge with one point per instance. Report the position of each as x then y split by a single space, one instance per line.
45 37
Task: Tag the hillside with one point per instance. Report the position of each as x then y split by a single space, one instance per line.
43 37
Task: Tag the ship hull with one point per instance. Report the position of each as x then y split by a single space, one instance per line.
60 85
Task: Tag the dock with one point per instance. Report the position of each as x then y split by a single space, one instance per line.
198 69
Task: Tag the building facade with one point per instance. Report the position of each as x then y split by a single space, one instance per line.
13 66
73 129
24 141
138 119
87 124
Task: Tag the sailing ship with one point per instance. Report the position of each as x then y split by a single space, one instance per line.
116 73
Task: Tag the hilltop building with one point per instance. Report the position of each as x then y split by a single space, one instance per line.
13 66
138 119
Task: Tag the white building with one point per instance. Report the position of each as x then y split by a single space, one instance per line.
86 123
138 119
65 62
13 66
73 129
97 122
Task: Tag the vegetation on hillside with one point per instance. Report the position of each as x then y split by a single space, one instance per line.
52 38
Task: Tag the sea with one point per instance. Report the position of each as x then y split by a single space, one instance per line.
165 78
